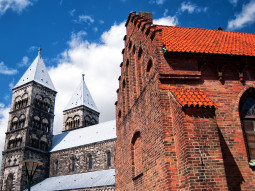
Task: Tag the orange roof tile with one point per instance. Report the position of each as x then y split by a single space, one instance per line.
195 40
192 98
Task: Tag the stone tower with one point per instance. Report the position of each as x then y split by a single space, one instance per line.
81 110
29 131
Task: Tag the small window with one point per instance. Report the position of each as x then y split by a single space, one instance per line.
140 53
108 158
90 161
134 49
149 65
130 45
119 114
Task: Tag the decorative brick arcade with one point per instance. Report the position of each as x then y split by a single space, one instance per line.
186 109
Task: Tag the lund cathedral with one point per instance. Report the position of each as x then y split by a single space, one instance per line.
80 158
185 118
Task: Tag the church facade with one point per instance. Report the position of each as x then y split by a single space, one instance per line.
80 158
186 108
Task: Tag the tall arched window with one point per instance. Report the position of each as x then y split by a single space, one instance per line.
24 100
136 151
247 114
9 182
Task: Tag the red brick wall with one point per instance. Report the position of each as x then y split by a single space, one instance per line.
181 149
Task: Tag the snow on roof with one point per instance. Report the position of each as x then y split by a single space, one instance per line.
83 136
76 181
82 96
37 72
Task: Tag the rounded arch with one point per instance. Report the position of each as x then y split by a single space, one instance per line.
247 116
69 122
43 143
87 120
9 182
45 125
36 122
25 96
14 123
22 120
76 121
46 104
93 121
18 102
136 154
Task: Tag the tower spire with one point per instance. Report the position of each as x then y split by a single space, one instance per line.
83 75
39 52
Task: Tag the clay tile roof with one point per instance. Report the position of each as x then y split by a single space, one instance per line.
192 98
195 40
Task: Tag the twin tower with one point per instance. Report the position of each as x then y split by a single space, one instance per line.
30 127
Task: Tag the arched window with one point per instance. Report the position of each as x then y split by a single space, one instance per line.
45 125
14 123
136 151
22 119
18 102
93 121
9 182
38 101
24 100
247 114
18 140
36 122
12 142
76 121
90 161
108 154
43 143
87 121
46 104
68 123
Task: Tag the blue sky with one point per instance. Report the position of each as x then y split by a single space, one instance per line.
80 36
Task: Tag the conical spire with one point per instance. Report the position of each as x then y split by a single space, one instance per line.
37 72
81 97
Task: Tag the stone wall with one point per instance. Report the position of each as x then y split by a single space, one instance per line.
76 160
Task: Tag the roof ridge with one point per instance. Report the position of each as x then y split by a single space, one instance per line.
203 29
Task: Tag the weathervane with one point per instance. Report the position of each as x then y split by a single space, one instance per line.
83 75
39 53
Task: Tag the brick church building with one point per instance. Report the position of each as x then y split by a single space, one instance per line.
186 108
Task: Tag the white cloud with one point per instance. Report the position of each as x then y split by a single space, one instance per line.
24 62
158 2
85 19
191 8
15 5
11 85
100 64
171 21
165 12
33 48
95 29
72 12
4 116
5 70
247 16
101 21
